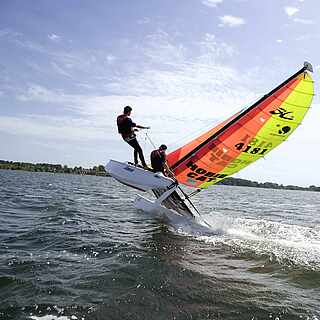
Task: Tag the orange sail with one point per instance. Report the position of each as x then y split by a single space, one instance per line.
245 137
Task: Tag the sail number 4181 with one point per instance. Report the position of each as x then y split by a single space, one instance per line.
250 149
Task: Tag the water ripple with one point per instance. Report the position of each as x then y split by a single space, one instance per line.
73 247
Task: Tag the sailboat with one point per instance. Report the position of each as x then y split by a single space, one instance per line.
225 149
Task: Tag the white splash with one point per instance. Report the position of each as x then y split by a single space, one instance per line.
285 243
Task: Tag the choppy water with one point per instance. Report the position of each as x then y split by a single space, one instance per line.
73 247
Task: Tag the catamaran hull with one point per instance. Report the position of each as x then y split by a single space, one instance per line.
137 177
169 206
146 205
170 217
166 215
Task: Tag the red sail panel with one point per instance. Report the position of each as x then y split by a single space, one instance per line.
200 162
176 155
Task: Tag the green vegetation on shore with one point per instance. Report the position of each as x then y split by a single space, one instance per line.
55 168
268 185
99 170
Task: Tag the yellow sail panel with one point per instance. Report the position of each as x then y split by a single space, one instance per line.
247 137
284 120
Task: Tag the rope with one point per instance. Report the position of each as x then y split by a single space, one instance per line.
145 142
147 137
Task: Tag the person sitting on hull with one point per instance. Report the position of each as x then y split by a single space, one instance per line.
127 128
158 159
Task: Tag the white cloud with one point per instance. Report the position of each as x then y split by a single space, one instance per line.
170 104
160 49
144 21
231 21
214 50
172 95
199 81
191 93
309 37
291 11
60 70
303 21
279 40
110 58
30 45
4 33
40 94
55 128
67 63
181 116
211 3
9 33
54 37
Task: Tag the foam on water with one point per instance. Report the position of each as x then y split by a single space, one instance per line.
285 243
82 251
51 317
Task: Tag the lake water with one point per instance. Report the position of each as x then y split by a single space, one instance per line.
74 247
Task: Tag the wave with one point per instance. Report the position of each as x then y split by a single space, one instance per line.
288 244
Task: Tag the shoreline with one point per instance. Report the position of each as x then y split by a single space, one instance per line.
99 170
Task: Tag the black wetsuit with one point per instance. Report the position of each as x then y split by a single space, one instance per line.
125 128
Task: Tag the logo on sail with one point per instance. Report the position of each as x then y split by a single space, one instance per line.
281 131
283 113
200 174
284 130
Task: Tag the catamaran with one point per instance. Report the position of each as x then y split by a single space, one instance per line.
244 138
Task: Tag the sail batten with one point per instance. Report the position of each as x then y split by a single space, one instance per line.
246 136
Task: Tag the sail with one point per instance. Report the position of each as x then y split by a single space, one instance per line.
247 136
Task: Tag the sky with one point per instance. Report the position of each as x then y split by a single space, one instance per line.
68 67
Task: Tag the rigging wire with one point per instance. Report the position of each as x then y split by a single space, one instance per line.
209 123
147 137
145 141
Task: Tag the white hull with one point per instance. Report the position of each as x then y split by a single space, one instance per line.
137 177
145 180
183 223
144 204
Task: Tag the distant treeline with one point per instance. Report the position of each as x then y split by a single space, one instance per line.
55 168
99 170
270 185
